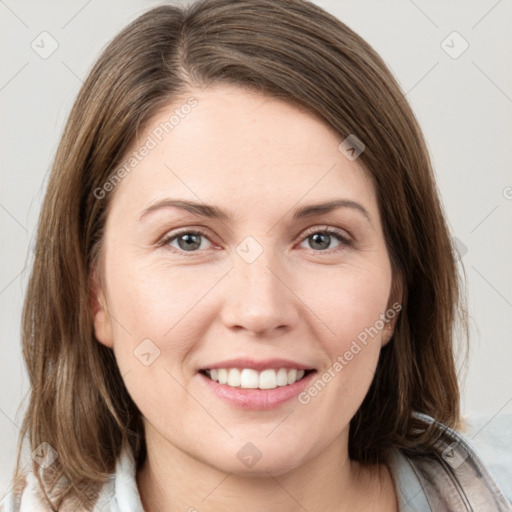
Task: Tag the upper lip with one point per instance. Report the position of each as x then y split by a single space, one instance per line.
258 365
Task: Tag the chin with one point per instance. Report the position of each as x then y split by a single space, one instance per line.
260 458
273 465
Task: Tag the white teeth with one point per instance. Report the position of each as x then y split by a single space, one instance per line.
268 379
223 376
234 377
247 378
282 377
292 376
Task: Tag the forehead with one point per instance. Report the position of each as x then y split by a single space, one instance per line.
227 145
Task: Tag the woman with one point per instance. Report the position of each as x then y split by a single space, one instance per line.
190 346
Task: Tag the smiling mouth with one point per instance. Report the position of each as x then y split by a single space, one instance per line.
248 378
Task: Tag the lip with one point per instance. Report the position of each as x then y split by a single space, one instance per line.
256 399
258 365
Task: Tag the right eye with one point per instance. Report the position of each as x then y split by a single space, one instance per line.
187 240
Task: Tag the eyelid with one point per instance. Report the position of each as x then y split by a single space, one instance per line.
342 233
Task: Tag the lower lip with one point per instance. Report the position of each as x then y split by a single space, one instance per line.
257 399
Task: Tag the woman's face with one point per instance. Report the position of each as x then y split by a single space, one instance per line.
259 293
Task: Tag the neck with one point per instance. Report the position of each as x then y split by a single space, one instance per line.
172 480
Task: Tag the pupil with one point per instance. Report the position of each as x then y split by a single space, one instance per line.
324 236
190 243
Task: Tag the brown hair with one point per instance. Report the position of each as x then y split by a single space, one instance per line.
288 49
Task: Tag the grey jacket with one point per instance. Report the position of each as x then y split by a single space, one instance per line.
454 478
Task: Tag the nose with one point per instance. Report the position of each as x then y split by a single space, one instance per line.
260 298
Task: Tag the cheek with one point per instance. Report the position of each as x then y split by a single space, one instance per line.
155 300
350 304
159 316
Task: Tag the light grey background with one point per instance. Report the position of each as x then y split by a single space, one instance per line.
463 104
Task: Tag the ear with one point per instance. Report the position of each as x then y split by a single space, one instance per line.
100 314
393 309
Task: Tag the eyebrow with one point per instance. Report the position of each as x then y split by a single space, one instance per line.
210 211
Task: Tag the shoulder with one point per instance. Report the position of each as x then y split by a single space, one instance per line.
491 438
26 495
118 493
453 474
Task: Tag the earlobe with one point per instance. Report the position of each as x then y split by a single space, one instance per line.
387 334
99 311
394 309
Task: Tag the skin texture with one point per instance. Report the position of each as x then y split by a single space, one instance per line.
260 159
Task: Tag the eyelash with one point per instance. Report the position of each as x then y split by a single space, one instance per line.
345 242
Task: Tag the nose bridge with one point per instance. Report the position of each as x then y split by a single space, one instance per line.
261 300
257 271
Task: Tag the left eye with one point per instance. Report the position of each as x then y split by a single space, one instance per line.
190 241
323 237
